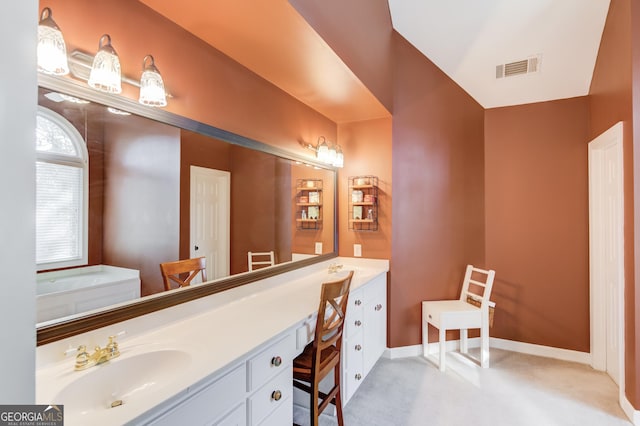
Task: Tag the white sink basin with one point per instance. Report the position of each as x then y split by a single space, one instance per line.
121 381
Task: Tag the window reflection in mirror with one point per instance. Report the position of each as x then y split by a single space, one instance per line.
157 193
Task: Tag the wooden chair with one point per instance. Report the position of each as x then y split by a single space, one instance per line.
261 259
172 271
471 310
323 354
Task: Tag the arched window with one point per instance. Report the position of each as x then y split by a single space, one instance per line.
61 192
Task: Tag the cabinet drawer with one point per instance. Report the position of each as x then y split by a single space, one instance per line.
283 415
271 396
354 313
210 403
238 417
353 371
271 361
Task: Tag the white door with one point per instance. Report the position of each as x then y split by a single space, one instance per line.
209 219
606 252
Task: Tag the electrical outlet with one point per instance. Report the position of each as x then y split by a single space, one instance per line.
357 250
318 248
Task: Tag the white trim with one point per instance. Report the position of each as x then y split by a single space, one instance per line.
540 350
632 414
494 342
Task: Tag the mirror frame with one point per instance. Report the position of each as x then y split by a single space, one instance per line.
70 327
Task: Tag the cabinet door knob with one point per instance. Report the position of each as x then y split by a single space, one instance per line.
358 323
378 307
276 395
358 376
358 348
358 302
276 361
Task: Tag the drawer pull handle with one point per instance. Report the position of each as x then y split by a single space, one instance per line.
276 395
358 302
358 348
358 323
378 307
358 376
276 361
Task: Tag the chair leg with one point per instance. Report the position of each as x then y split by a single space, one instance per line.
336 379
425 339
484 344
313 403
442 344
464 346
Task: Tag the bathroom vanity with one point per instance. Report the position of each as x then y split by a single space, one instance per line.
224 359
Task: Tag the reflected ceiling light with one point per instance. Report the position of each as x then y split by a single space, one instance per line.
105 72
117 111
52 51
326 152
339 160
151 85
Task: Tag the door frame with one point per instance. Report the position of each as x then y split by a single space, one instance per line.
613 137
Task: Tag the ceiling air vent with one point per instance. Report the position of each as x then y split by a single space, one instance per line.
526 66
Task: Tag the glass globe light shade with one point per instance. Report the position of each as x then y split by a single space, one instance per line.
322 150
105 72
339 160
52 51
152 91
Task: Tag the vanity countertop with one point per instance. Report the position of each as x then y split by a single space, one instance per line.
208 334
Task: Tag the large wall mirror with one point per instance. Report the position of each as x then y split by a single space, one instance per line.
122 188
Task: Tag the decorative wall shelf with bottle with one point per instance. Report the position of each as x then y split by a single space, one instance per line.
363 203
308 203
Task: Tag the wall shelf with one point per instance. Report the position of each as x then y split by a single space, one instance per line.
308 204
363 203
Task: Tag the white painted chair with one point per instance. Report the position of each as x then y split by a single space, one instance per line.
471 310
261 259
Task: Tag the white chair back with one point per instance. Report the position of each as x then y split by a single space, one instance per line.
260 259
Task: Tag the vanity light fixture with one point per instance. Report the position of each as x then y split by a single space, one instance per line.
322 150
105 72
151 85
52 51
326 152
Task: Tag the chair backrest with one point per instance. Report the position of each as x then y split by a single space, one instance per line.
260 259
172 271
477 286
334 299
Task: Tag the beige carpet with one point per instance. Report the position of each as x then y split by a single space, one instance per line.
517 390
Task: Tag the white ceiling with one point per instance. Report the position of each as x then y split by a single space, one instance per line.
468 38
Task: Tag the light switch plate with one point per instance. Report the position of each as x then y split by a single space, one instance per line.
318 248
357 250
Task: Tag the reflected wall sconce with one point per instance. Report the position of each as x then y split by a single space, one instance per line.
327 152
52 50
102 71
105 72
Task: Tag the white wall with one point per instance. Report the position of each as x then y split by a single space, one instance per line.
18 99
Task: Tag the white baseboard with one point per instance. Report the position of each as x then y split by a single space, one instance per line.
632 413
509 345
546 351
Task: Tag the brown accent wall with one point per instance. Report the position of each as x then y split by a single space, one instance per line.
367 149
438 213
610 101
537 223
141 198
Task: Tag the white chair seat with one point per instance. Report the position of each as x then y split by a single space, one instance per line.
461 315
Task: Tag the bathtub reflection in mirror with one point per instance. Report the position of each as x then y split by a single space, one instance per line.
154 193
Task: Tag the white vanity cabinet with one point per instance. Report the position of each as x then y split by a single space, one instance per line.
256 391
366 333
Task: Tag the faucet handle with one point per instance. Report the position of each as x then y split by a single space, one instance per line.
83 359
112 347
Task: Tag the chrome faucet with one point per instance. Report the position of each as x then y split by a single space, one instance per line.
334 267
100 355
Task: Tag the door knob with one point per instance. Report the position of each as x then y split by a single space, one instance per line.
196 248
